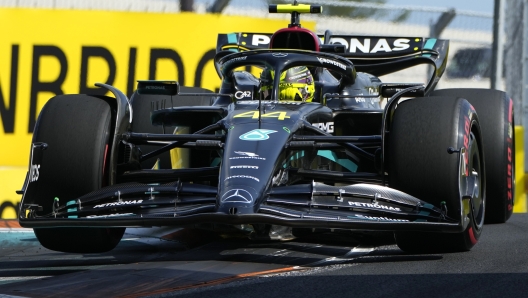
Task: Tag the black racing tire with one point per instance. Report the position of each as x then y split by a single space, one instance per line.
77 129
141 107
495 111
421 131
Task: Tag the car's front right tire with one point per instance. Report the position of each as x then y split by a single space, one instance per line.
77 130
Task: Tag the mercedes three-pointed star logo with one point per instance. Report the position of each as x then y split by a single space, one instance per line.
237 196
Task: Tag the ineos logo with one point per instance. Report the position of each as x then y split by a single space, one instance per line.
34 173
279 55
242 94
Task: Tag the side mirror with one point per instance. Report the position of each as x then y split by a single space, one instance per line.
332 48
388 90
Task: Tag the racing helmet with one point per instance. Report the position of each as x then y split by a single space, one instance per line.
295 83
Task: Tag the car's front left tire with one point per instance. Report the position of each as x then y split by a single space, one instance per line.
495 110
421 164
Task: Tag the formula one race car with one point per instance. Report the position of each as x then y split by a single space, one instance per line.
296 141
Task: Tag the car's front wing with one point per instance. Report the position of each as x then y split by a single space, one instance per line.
354 207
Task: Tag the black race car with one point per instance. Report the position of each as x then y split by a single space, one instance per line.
430 166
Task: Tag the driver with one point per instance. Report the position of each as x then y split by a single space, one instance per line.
296 83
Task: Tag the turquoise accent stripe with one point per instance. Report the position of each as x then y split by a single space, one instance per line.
328 154
296 156
429 44
345 163
71 209
216 162
429 206
232 38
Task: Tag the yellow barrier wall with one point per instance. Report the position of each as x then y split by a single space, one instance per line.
45 52
519 205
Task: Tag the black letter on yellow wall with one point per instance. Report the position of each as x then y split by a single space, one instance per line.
5 205
8 113
104 53
156 54
38 86
200 68
131 72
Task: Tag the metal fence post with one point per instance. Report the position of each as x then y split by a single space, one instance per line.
442 22
497 46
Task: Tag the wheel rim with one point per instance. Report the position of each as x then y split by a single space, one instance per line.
475 182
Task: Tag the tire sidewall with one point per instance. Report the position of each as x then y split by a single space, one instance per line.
495 110
421 132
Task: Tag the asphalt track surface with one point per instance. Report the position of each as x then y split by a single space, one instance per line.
164 262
